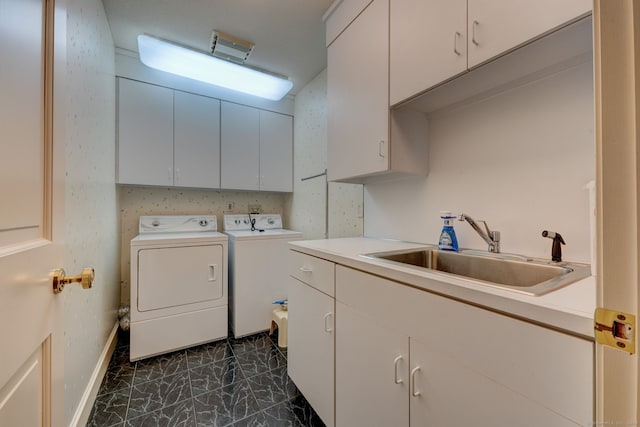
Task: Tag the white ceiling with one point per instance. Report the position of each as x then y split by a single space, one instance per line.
288 34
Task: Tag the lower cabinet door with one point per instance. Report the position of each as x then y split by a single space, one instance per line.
445 392
311 324
372 372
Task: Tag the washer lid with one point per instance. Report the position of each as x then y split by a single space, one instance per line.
177 224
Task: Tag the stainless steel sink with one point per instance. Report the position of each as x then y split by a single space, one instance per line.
520 274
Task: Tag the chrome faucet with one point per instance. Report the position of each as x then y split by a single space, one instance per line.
491 237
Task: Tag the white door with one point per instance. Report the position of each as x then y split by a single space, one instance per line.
616 60
196 141
31 217
311 346
428 44
276 151
372 371
240 147
358 96
145 133
496 26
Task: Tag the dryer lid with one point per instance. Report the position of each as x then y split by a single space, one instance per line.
177 223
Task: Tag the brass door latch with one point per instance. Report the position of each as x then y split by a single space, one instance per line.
615 329
85 278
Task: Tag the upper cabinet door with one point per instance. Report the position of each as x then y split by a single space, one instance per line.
358 96
276 152
496 26
240 147
145 133
428 44
197 141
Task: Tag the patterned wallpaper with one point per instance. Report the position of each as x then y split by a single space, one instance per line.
91 219
306 206
137 201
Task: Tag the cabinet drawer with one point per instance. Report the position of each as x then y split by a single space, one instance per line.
313 271
340 15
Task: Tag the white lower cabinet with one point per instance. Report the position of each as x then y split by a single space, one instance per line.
372 365
409 357
310 351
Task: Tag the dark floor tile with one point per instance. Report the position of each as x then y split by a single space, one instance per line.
274 340
255 420
225 405
120 357
160 366
259 341
178 415
206 378
117 377
273 387
305 413
109 409
157 394
260 361
281 415
207 353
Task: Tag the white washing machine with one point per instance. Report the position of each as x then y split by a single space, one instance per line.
179 283
258 269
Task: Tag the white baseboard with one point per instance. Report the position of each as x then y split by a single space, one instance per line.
81 416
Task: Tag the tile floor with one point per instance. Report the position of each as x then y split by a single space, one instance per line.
241 382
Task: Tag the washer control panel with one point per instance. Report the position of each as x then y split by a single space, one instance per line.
242 222
177 223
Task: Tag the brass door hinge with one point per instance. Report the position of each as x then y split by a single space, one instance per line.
615 329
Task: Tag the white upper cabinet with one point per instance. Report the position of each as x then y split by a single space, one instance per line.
496 26
145 133
240 138
197 141
428 44
358 87
276 151
257 149
172 138
433 41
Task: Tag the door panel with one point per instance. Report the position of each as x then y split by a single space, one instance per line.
276 152
196 141
240 142
498 26
32 224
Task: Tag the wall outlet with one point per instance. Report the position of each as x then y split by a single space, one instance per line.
231 206
255 209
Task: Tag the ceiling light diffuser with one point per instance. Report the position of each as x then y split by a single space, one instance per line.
175 59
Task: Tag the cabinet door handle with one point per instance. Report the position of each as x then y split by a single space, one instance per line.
455 43
327 329
381 151
473 32
414 392
306 269
395 370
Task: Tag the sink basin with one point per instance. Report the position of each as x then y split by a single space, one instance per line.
520 274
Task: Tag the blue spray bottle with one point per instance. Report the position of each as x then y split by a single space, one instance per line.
448 240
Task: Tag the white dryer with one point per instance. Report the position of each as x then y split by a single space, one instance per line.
179 283
258 269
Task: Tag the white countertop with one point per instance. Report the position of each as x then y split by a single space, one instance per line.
569 309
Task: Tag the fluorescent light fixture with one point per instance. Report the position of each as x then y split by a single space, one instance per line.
175 59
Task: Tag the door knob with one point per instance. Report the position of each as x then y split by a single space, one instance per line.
59 280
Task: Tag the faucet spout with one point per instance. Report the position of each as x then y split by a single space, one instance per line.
491 237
